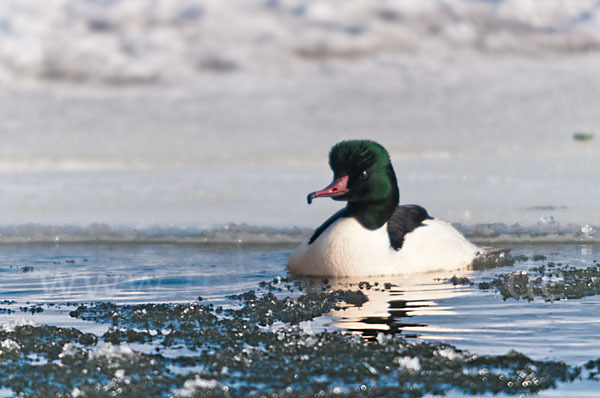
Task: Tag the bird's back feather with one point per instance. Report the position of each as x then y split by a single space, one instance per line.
404 220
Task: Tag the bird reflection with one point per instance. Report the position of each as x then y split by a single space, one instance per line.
396 305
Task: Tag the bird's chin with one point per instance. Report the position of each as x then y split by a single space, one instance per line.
342 198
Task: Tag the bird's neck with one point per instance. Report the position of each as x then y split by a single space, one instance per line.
374 214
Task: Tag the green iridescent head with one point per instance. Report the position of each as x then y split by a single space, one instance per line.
362 172
364 177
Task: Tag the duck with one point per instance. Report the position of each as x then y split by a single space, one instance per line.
373 234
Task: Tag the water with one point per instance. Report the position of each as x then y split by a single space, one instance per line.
425 306
134 273
420 307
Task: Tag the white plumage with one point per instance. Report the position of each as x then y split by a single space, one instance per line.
347 249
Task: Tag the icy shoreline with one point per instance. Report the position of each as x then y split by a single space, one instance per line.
548 231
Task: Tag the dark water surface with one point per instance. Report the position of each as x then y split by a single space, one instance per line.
43 283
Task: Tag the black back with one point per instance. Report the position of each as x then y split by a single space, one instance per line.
404 220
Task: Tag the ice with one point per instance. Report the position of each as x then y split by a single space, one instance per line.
164 40
410 363
10 326
477 141
111 352
191 386
477 102
10 345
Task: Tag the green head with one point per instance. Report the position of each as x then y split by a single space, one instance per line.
364 177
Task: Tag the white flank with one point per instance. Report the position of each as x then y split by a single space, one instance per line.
346 248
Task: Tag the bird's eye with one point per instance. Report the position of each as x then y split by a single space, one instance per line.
364 174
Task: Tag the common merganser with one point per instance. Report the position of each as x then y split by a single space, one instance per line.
373 235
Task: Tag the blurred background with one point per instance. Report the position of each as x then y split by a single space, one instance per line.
201 113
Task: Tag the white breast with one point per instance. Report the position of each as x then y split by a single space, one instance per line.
346 248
